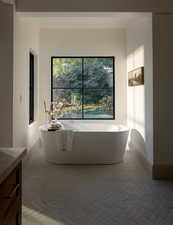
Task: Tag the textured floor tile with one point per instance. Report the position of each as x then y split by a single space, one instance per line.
121 194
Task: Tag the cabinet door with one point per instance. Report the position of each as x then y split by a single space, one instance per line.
10 198
11 216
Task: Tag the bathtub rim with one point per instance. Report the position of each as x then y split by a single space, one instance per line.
44 128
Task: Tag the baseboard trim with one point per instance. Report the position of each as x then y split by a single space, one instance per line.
162 172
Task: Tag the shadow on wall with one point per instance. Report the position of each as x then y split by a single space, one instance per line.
137 142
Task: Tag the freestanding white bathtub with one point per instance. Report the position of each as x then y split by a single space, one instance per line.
92 144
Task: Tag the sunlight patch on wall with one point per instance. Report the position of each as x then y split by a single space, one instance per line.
136 95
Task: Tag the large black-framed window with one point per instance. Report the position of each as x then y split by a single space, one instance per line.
31 86
85 86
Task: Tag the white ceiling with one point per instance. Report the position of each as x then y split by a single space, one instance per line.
84 20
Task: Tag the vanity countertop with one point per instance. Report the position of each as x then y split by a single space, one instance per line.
9 158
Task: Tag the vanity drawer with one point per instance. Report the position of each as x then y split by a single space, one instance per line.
5 202
10 190
11 186
8 186
11 215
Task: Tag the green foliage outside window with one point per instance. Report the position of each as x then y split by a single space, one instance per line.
86 85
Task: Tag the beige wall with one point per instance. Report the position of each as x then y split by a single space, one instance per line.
84 42
6 74
26 40
140 98
95 5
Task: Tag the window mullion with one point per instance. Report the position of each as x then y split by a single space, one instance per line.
82 88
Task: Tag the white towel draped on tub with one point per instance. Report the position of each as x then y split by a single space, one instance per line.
65 139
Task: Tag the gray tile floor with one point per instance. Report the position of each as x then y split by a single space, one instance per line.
121 194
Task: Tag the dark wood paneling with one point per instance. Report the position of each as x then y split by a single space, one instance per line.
11 199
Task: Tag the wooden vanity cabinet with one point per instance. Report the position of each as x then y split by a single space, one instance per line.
10 198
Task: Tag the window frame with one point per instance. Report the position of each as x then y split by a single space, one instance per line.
113 88
31 87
